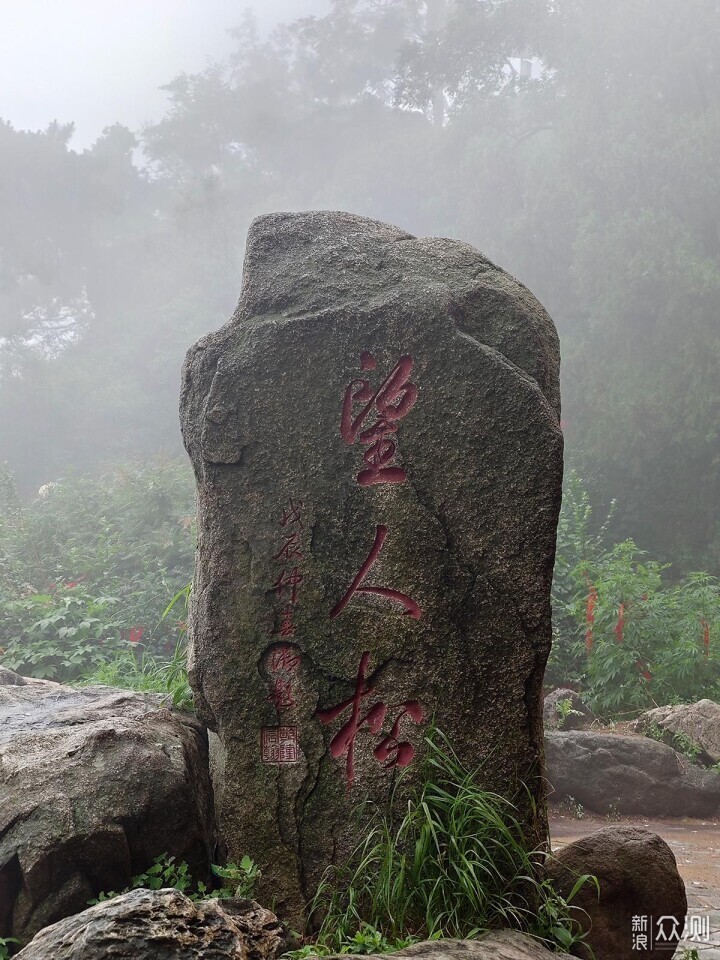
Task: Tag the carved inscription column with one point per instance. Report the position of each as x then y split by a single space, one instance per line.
372 418
378 459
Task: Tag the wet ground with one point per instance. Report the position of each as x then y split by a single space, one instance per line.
696 845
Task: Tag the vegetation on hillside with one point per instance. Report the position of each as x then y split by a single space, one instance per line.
89 569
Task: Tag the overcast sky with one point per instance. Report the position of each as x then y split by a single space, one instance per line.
98 62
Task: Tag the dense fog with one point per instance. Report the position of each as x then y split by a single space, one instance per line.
575 143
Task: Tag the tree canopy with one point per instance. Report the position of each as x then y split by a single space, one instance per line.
573 142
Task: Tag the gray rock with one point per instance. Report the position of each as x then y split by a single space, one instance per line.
8 678
462 528
162 925
578 718
610 772
497 945
638 877
94 784
699 722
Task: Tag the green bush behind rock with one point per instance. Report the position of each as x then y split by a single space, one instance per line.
624 631
88 567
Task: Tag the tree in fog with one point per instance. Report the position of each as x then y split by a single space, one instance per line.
573 142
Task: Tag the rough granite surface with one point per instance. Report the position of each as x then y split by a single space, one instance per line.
162 925
330 300
95 783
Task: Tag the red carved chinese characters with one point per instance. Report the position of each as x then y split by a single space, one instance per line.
281 694
287 627
356 586
390 403
289 581
284 659
291 514
283 665
372 417
390 749
290 550
391 752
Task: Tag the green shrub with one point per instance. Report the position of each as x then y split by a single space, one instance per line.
622 632
655 654
59 636
579 541
240 880
87 569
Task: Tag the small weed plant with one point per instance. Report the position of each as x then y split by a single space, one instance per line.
680 742
5 947
239 881
456 863
573 807
565 710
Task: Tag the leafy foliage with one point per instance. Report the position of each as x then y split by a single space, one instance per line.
5 945
59 637
240 878
579 541
627 635
678 741
565 711
166 872
86 571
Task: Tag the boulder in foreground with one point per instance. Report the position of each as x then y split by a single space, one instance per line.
497 945
162 925
375 437
95 783
638 877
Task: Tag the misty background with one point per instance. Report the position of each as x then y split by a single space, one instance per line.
575 143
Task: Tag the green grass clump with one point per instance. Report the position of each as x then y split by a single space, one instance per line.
146 672
455 864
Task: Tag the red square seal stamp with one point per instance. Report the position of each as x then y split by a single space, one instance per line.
279 744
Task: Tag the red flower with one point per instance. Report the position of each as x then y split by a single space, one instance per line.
643 668
706 635
136 633
620 625
590 618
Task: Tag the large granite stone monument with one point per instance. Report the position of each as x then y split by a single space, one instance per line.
378 458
